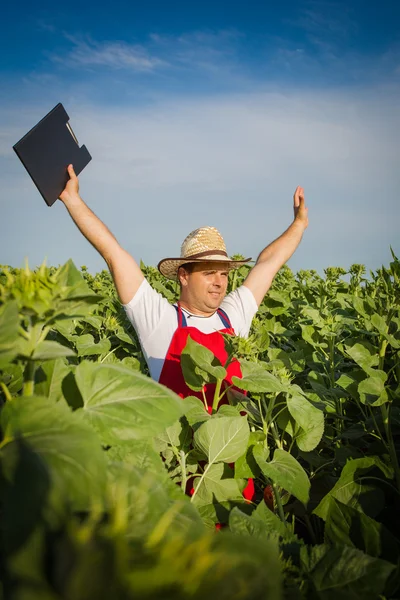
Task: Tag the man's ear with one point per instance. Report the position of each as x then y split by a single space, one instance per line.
182 276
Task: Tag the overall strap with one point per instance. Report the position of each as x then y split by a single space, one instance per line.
183 323
181 317
224 318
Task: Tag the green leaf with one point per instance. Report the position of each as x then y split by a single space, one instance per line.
349 382
246 465
147 499
13 377
204 359
273 524
122 404
9 323
364 354
309 418
242 524
67 445
256 379
344 572
226 410
349 490
310 335
49 379
195 411
69 277
285 471
48 350
222 439
140 454
23 499
262 527
379 323
372 391
178 435
86 346
348 526
217 485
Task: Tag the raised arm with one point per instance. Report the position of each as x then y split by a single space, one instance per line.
125 271
276 254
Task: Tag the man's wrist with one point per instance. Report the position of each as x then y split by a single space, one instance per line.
299 225
72 200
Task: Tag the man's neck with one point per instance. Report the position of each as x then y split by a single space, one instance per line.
195 311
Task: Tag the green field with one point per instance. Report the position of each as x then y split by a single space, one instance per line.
96 457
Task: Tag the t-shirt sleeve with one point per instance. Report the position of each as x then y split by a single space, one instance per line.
146 310
240 306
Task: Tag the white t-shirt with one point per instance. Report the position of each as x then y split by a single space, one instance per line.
155 321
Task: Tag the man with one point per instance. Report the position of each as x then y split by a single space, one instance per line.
203 311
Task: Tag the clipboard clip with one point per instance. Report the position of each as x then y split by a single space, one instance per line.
72 133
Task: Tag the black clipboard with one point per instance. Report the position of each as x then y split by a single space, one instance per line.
47 150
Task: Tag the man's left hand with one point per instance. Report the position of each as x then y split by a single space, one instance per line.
299 207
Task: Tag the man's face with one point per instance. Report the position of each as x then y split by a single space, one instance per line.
205 287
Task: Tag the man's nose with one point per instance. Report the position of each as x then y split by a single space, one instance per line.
218 279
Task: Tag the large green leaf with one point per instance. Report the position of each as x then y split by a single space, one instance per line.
348 526
364 354
344 572
122 404
70 278
309 418
195 411
257 379
9 323
217 485
48 350
350 488
246 465
86 346
67 445
146 499
49 379
262 524
199 365
23 498
372 391
140 454
222 439
285 471
275 527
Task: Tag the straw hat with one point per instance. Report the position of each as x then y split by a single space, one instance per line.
201 245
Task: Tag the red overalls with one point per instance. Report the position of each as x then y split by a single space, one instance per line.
171 373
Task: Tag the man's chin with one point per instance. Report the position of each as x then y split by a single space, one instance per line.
214 302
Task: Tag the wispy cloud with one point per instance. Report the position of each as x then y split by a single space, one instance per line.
111 54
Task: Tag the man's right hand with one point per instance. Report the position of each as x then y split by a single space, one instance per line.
71 190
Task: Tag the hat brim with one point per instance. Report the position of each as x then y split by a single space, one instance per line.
169 266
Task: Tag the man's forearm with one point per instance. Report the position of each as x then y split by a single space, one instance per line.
92 227
272 258
280 250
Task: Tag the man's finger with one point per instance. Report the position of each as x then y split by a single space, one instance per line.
296 196
71 171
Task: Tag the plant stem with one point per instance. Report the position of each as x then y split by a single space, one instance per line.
278 503
216 394
29 378
182 460
204 398
391 448
6 391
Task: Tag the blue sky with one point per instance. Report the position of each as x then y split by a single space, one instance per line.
208 113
